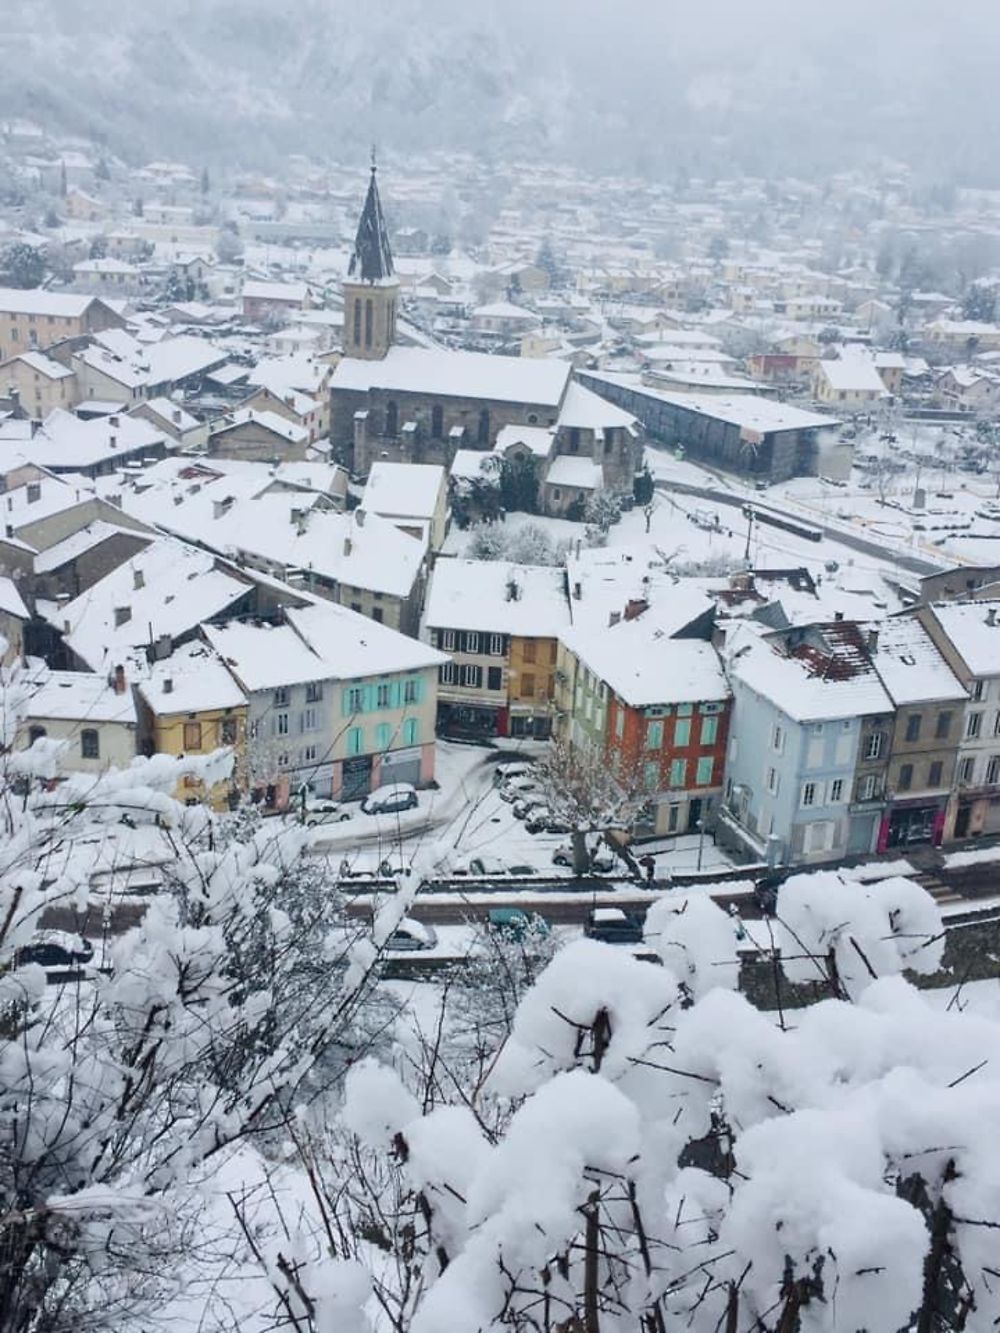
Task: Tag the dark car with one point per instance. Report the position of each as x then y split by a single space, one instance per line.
613 926
56 950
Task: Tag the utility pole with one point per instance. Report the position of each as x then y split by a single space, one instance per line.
749 513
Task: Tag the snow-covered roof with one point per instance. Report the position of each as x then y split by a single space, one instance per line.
640 663
192 679
537 439
586 410
974 629
497 597
35 301
11 600
852 374
294 292
44 365
80 696
404 490
175 359
85 539
270 421
451 374
746 410
171 413
505 310
822 679
180 587
910 665
64 441
264 657
573 470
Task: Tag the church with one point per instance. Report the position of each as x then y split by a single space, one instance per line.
424 405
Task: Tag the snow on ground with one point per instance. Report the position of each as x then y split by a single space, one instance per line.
980 856
877 870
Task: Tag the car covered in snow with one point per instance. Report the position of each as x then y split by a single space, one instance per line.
317 810
517 788
613 925
602 859
515 923
56 950
398 796
495 866
411 936
506 773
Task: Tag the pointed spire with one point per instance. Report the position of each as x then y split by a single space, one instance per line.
372 257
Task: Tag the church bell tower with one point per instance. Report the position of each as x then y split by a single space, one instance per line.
371 289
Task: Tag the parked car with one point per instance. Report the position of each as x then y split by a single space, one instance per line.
602 859
524 804
485 864
56 949
504 773
410 936
517 788
538 819
319 811
517 924
390 800
613 926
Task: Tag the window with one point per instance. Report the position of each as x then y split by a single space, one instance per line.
973 725
619 722
943 726
673 818
437 421
355 740
383 695
934 774
528 684
192 735
967 769
392 419
703 774
609 440
913 727
472 677
905 777
682 731
678 773
993 770
357 323
411 731
496 645
529 651
281 698
283 760
870 787
976 690
356 606
472 643
355 698
654 735
873 746
378 615
709 730
90 743
309 754
281 724
314 691
836 791
773 781
123 614
448 674
383 735
494 678
369 321
448 640
651 776
307 720
818 836
411 691
996 724
574 440
483 430
778 739
809 793
228 733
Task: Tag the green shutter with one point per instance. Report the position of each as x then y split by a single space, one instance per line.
396 694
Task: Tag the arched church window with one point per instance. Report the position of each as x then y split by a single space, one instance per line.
369 321
357 323
483 435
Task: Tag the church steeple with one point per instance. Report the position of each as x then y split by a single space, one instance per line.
371 287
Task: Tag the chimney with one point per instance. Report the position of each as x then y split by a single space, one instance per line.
168 686
871 642
114 422
119 680
577 591
991 616
113 441
138 579
176 416
614 618
634 607
348 546
838 616
359 517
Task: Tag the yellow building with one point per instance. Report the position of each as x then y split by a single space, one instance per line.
33 319
531 685
191 705
42 384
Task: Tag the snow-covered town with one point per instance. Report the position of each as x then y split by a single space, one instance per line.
499 703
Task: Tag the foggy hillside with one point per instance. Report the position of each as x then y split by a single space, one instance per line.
644 85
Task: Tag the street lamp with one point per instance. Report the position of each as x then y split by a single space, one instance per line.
701 840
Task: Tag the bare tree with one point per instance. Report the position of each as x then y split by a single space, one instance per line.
588 793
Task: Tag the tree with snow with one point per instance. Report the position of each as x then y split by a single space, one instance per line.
22 265
588 794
